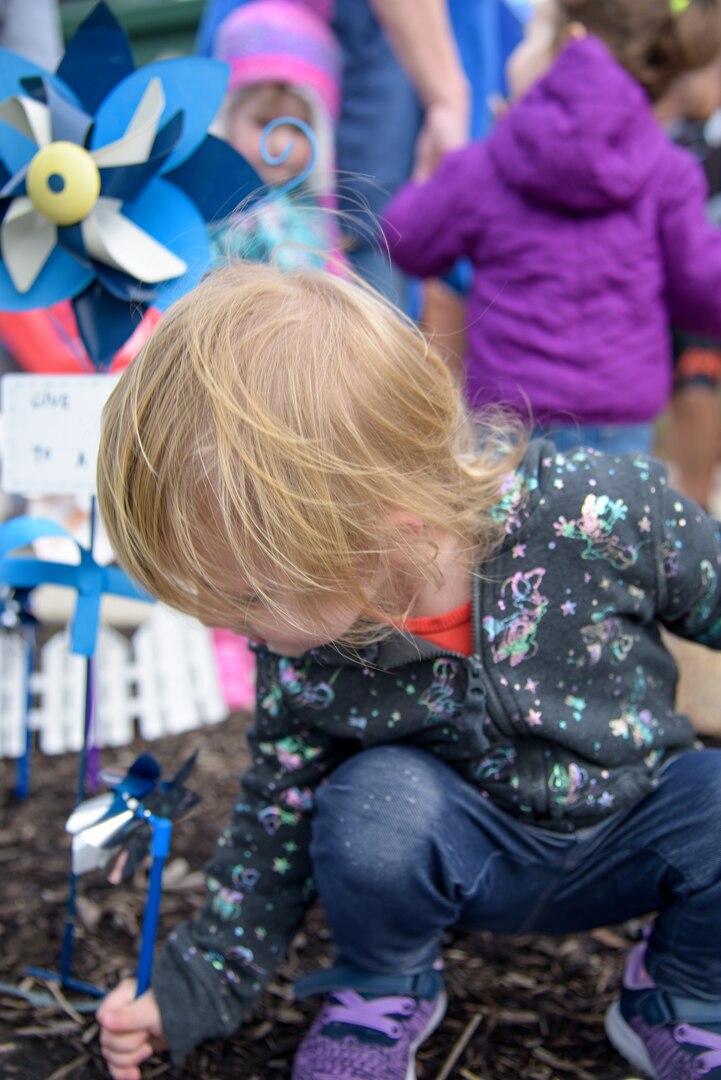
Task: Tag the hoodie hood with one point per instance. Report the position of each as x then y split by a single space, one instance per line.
584 138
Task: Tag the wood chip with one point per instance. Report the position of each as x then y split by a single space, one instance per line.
559 1063
459 1046
72 1066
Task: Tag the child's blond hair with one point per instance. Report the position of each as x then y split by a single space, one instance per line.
274 443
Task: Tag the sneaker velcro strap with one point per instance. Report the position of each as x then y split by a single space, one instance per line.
656 1009
349 977
696 1011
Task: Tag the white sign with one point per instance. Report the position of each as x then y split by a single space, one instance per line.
51 429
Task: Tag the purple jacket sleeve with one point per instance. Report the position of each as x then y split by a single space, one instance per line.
691 247
430 225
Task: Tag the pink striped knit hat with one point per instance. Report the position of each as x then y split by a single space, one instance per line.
286 41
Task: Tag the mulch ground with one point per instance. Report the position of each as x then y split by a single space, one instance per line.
527 1007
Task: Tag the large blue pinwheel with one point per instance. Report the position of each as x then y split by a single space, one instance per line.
108 180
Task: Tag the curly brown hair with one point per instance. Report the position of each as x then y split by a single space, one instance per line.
648 39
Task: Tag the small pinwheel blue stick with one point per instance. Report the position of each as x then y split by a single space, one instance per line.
22 778
65 977
136 819
162 829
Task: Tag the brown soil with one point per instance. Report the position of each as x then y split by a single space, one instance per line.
530 1007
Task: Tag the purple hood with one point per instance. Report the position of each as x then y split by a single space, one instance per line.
587 230
585 139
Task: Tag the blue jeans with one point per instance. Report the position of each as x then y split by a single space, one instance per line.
607 438
375 142
404 847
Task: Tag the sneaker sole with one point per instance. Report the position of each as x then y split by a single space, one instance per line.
627 1042
438 1013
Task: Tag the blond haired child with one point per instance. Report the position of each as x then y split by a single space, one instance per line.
585 226
465 712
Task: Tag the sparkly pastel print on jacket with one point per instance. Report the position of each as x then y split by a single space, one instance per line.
563 715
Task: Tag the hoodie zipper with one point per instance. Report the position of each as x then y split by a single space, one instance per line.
535 783
480 690
475 663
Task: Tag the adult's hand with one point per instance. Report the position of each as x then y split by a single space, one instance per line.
422 39
445 127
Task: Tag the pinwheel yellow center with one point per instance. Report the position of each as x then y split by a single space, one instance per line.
63 183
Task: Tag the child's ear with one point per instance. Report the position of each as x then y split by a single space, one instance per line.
406 529
405 522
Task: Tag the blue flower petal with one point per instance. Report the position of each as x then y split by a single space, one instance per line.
125 182
16 150
61 277
123 287
13 68
70 123
218 179
97 57
169 216
104 323
193 86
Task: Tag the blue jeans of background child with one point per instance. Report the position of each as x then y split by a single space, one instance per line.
607 438
404 848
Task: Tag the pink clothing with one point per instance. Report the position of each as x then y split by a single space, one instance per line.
281 41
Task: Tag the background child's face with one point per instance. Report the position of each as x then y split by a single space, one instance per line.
533 57
249 117
698 93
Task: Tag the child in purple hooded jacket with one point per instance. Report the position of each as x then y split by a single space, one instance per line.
586 227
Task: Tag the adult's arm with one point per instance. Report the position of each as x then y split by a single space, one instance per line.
421 36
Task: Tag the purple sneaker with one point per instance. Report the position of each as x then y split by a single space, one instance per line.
664 1036
357 1037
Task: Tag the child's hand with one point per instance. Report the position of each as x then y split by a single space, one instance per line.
132 1030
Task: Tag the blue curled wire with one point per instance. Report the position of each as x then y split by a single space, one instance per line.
278 159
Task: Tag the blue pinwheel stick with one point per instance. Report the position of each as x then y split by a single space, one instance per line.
135 819
162 829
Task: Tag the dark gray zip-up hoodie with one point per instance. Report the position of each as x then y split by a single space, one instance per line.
563 715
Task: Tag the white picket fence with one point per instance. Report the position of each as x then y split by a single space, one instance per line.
162 681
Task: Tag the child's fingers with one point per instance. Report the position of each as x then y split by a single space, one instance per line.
122 1045
124 1072
122 1012
122 996
115 876
123 1058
